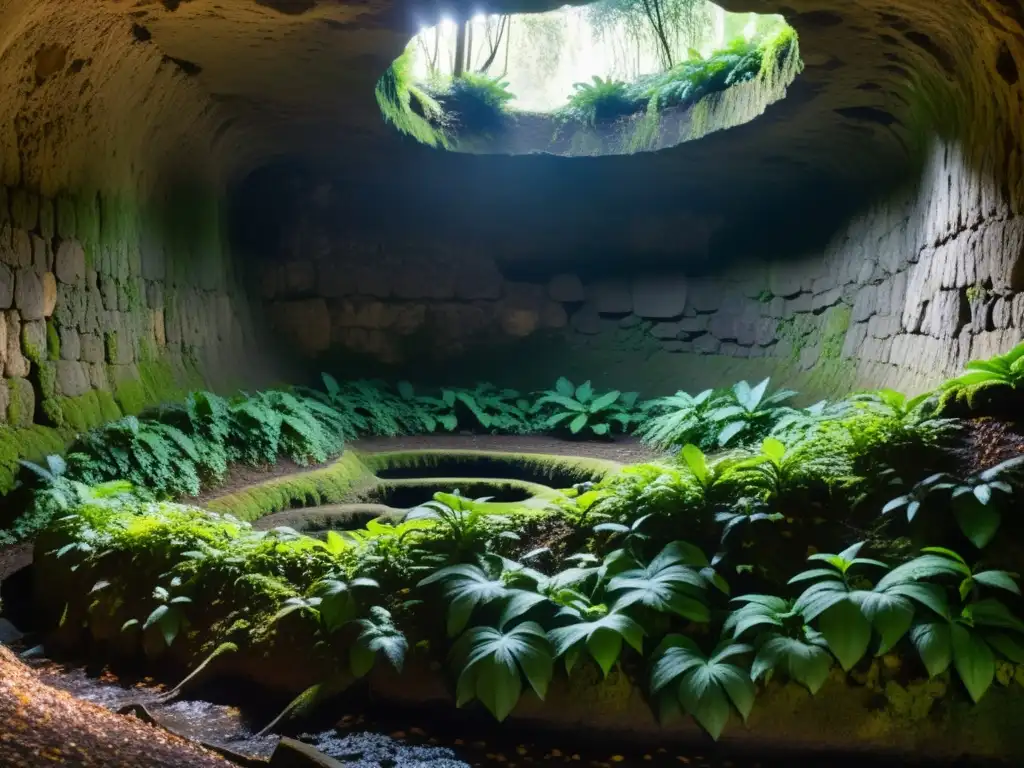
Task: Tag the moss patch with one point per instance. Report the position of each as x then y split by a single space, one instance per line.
32 444
307 489
88 411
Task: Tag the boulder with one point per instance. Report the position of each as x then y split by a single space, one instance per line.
21 245
518 322
70 344
586 320
566 287
610 297
478 278
49 293
72 378
33 339
665 330
91 347
69 263
6 287
553 315
659 297
16 365
28 295
21 402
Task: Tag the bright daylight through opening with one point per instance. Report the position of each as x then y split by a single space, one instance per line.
613 77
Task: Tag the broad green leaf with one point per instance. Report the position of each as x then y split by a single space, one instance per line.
565 387
973 661
578 423
599 429
361 660
602 402
978 522
605 646
1008 646
584 392
738 686
676 655
934 644
729 431
705 700
696 461
773 449
498 685
998 580
846 631
891 615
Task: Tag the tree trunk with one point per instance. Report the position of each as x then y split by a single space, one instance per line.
460 50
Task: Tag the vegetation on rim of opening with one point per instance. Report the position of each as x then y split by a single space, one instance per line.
475 103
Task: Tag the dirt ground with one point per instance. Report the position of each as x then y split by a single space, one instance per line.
40 725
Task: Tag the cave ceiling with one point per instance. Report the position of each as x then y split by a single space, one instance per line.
262 81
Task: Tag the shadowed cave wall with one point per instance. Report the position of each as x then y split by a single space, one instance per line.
901 292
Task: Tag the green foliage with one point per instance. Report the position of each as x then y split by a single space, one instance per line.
580 408
975 501
691 80
745 414
407 106
492 663
961 627
677 420
475 104
1006 369
599 102
682 677
644 489
782 640
462 525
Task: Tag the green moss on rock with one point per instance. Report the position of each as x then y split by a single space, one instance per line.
52 341
88 411
308 489
32 444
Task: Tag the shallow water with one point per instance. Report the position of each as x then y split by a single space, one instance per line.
397 740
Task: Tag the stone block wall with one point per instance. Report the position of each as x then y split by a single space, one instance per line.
102 313
902 296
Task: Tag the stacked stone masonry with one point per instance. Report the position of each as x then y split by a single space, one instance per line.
86 311
903 296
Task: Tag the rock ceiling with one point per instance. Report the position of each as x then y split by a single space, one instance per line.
130 94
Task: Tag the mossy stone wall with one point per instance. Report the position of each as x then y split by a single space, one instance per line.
108 305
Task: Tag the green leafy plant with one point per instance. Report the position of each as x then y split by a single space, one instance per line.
600 101
463 525
744 512
1006 369
378 634
675 581
847 609
782 640
475 104
667 422
747 413
682 677
971 635
597 631
492 663
913 421
169 614
466 587
581 408
975 500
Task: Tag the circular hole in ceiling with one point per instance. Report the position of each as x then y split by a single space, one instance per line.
610 78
